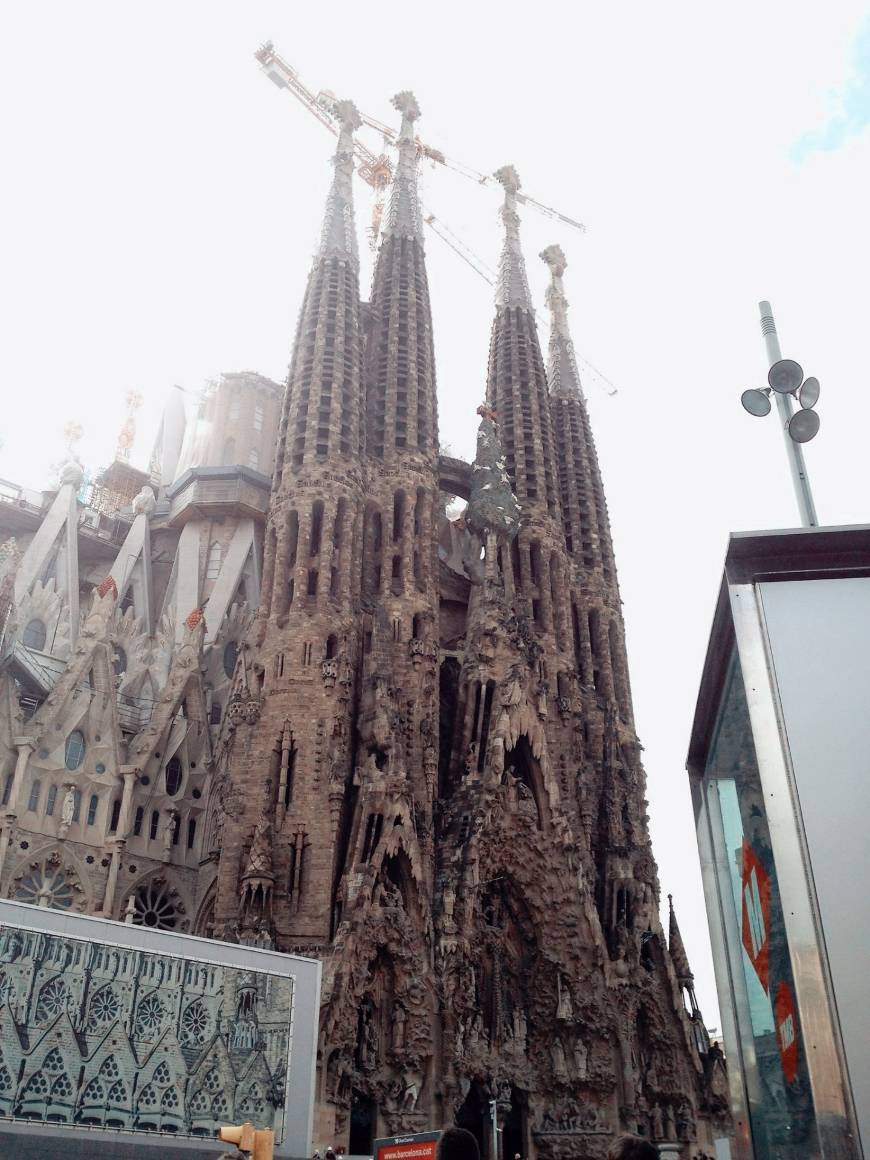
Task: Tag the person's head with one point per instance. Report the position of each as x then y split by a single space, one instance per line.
632 1148
457 1144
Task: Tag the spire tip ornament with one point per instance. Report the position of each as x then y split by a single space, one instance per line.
512 286
406 103
554 256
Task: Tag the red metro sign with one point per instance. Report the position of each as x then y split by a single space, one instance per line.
786 1031
755 917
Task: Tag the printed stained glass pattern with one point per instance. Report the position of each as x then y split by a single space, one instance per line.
120 1038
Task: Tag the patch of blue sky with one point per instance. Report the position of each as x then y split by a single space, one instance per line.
851 113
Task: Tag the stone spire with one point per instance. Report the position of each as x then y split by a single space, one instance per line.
512 287
516 380
338 237
581 491
404 218
677 948
562 372
401 406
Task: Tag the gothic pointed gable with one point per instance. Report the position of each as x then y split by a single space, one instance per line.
183 689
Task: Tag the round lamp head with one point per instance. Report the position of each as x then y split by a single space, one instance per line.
803 425
808 395
785 376
756 402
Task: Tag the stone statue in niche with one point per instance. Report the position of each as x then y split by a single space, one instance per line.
557 1055
400 1016
564 1006
657 1122
368 1040
520 1027
581 1058
670 1123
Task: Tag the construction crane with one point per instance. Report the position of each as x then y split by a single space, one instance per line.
377 171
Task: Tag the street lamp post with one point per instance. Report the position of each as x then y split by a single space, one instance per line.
786 379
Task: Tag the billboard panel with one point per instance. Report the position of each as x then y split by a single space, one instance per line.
122 1032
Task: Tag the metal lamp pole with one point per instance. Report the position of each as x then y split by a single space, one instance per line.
784 406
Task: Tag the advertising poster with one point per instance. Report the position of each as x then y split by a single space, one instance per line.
417 1147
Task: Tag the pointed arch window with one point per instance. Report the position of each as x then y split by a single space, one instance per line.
173 775
74 750
35 791
116 816
137 821
34 635
155 822
231 652
92 810
50 800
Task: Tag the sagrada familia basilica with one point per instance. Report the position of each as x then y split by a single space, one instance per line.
270 692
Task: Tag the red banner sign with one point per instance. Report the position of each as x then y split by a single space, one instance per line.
756 913
786 1031
421 1146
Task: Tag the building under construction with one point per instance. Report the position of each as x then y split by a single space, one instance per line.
282 699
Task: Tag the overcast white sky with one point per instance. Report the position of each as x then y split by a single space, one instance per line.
162 199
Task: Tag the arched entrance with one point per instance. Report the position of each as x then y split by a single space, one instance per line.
513 1133
362 1124
473 1116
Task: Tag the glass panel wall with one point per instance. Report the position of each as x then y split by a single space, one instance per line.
773 1059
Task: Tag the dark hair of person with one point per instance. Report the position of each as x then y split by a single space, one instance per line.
632 1148
457 1144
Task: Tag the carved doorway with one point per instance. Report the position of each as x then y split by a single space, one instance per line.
513 1133
362 1124
473 1117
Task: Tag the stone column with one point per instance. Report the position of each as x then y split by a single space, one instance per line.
25 748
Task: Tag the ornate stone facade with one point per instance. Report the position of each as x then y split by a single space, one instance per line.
329 719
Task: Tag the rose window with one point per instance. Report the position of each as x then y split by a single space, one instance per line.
170 1099
220 1108
52 1000
53 1061
46 885
149 1017
154 907
194 1023
213 1080
161 1074
104 1009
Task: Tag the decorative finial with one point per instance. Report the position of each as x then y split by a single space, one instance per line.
554 256
406 103
338 237
347 115
404 218
512 287
563 374
509 178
